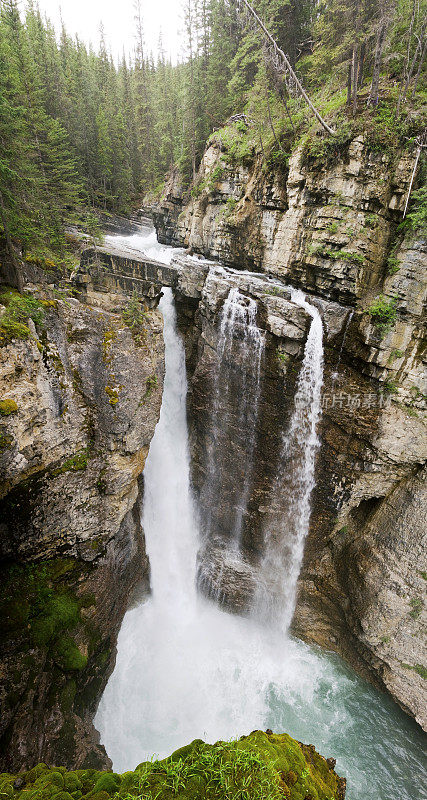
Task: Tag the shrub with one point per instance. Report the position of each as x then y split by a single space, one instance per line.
337 255
235 144
371 220
417 217
393 265
383 313
150 385
230 206
198 188
322 151
216 176
135 318
19 309
390 387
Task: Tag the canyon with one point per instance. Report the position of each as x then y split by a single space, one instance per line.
87 388
330 228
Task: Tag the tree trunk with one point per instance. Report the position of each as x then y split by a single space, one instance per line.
350 69
15 273
270 120
375 85
420 66
354 78
361 64
408 54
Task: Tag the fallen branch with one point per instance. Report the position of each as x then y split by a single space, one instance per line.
422 142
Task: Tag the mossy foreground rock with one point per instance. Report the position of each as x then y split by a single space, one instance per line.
257 767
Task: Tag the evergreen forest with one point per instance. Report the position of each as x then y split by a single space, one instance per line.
80 132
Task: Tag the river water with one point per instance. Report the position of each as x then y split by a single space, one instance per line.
187 669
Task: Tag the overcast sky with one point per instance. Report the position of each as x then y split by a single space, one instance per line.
84 16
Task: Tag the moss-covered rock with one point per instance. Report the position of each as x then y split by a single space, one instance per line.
7 407
260 766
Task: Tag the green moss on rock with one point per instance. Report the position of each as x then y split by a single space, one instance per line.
76 463
19 308
67 655
256 767
60 613
36 599
6 442
7 407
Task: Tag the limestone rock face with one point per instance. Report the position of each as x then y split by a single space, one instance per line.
330 229
72 548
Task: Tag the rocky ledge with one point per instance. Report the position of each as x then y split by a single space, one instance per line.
80 395
267 765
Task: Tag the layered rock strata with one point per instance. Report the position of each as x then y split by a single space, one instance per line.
85 391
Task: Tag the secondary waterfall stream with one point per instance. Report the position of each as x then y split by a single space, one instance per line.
240 342
187 669
287 530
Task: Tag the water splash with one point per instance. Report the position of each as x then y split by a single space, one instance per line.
287 525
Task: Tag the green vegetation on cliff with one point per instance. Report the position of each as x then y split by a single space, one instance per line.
257 767
19 309
34 599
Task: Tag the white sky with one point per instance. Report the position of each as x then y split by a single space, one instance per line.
84 16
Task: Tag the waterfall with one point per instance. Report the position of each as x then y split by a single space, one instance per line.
237 368
287 525
186 669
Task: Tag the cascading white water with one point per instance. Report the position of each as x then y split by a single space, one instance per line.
144 242
187 669
241 344
287 529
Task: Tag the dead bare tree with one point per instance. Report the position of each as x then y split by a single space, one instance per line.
279 55
422 144
413 66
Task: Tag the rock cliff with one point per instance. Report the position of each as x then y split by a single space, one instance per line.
328 225
79 400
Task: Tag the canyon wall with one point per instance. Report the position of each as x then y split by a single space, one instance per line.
329 226
79 402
